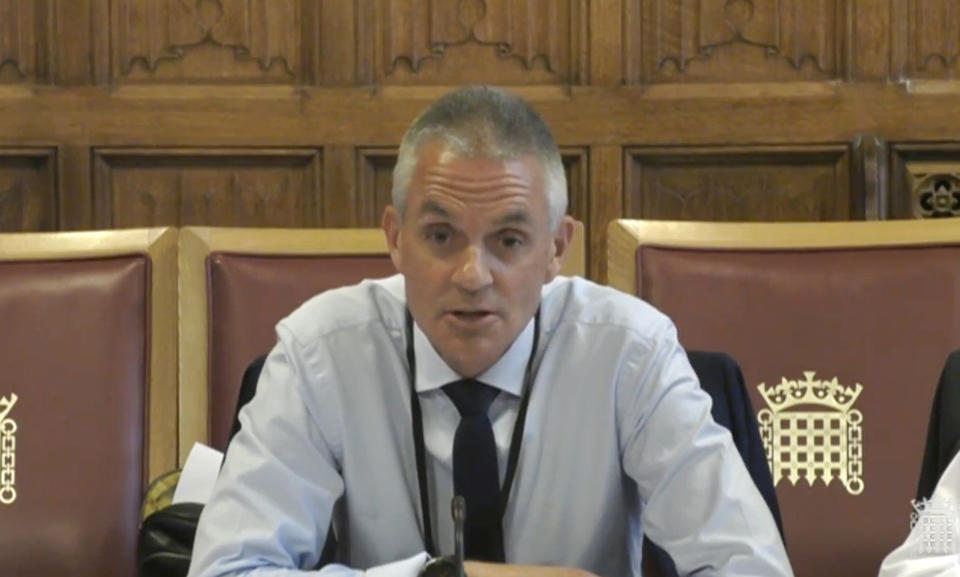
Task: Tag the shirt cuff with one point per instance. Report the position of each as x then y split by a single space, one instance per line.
409 567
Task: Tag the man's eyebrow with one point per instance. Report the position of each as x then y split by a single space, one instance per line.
515 217
434 208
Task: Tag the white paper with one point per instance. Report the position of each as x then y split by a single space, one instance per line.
199 475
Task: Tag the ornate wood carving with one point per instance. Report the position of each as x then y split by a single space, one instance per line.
937 195
925 180
741 183
732 39
538 34
28 196
261 33
870 176
18 40
261 188
933 37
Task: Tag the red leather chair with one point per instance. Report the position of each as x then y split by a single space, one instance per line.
88 395
841 330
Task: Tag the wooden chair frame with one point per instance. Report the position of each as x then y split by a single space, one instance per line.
160 245
625 236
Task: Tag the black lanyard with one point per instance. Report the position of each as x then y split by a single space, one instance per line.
418 444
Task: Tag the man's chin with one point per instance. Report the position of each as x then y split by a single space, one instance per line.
469 360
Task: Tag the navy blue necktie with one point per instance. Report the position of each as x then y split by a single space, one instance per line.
475 472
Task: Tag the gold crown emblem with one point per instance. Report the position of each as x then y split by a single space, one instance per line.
791 393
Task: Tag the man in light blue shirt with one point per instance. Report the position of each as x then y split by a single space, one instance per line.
598 430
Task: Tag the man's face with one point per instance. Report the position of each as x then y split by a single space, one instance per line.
475 248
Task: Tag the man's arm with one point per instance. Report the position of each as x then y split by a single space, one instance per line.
272 505
701 505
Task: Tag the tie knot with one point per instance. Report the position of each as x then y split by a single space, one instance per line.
471 397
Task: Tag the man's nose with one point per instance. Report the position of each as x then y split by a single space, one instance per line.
473 273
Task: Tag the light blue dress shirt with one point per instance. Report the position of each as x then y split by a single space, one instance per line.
618 440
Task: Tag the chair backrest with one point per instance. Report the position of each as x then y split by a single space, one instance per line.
236 284
88 395
844 327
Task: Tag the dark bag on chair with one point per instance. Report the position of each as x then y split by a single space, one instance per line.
166 541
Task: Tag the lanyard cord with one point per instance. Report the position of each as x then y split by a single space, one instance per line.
418 443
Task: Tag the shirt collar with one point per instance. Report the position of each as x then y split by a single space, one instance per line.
506 374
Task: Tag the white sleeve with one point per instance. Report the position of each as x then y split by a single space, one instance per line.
272 504
404 568
937 554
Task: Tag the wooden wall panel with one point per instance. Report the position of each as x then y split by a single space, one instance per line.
182 187
206 40
868 53
493 41
733 40
741 183
925 180
73 48
25 41
331 29
376 179
929 34
28 189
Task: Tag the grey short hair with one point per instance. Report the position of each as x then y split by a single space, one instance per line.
481 121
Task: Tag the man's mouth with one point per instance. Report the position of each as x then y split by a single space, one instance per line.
472 316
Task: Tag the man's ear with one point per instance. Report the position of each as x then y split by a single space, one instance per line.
391 228
562 237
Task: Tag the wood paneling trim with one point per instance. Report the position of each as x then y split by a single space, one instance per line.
576 163
73 48
606 203
870 40
246 40
375 179
224 186
26 41
798 182
284 116
745 40
29 199
924 179
870 177
343 203
507 42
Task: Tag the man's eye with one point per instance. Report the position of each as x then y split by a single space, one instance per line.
512 241
438 236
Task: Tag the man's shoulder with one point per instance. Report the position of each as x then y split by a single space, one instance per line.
367 305
578 301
